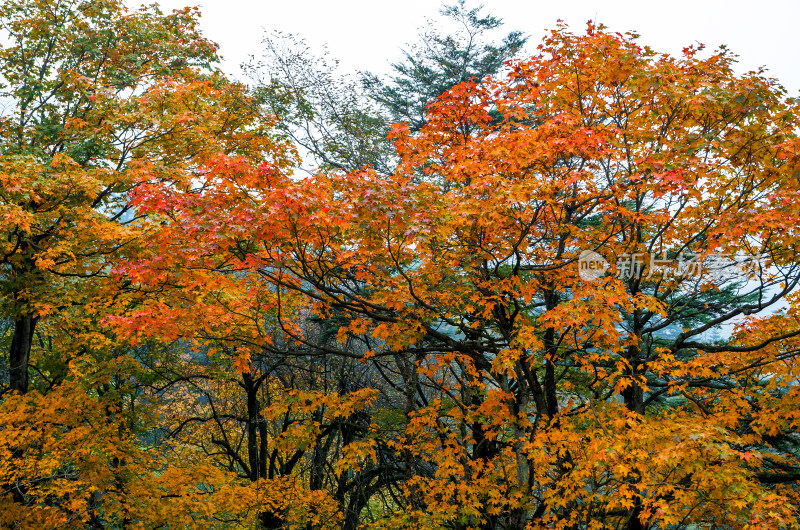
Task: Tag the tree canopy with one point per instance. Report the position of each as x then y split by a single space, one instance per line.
567 298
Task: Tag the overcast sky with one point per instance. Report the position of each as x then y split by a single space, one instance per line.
368 34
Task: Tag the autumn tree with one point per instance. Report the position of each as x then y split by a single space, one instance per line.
237 386
537 396
74 81
98 101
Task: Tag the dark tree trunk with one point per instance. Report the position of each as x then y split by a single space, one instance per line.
634 398
256 461
550 388
20 353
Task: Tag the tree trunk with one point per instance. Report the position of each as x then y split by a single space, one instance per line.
20 353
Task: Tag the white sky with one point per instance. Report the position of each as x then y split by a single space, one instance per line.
368 34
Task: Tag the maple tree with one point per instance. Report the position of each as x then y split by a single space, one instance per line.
75 76
530 396
98 101
238 392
